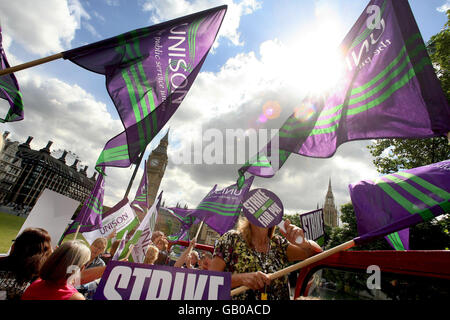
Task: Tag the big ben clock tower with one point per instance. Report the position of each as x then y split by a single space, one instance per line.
156 166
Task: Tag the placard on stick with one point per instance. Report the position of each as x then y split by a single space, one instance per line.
263 208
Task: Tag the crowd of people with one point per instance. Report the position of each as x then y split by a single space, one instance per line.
34 270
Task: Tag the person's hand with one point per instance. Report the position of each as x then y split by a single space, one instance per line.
112 234
292 232
255 280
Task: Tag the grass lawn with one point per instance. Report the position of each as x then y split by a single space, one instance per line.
9 227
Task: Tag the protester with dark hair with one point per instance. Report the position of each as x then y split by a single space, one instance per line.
28 252
60 273
251 253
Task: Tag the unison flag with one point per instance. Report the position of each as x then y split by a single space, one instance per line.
120 247
396 201
9 90
148 73
120 218
389 90
142 235
220 208
141 198
90 215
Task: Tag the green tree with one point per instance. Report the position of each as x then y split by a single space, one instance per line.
439 50
349 231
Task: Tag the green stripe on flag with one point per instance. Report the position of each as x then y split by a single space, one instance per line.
396 241
218 212
407 205
427 185
413 191
220 204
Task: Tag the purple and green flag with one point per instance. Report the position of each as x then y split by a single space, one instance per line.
141 237
91 214
396 201
9 89
148 73
141 199
220 209
389 90
185 218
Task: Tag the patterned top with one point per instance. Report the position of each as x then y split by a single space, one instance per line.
11 286
240 258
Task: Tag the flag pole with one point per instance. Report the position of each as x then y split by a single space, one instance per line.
30 64
198 230
129 252
76 232
134 174
301 264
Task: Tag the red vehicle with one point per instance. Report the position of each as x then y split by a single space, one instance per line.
403 275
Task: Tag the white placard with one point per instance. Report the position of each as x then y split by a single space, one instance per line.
51 212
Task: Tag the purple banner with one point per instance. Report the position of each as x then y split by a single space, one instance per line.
138 281
220 209
396 201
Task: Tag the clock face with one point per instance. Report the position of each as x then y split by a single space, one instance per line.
154 162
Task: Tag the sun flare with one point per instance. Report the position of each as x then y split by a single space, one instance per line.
311 60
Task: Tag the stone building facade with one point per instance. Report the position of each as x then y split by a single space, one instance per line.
40 171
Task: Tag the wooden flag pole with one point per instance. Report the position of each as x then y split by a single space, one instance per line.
301 264
30 64
76 232
134 174
198 230
129 252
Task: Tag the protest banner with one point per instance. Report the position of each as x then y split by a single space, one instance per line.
313 226
121 218
138 281
51 212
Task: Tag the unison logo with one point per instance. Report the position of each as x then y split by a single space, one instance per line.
228 146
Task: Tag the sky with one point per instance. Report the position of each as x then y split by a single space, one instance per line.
266 51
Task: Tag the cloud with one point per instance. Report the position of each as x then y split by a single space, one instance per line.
444 7
42 29
163 10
